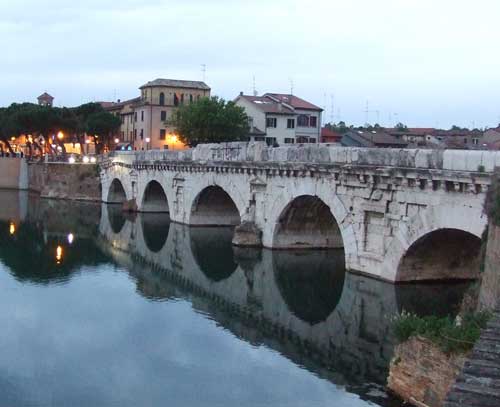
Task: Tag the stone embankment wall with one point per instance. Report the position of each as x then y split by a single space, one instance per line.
422 374
65 181
13 173
489 296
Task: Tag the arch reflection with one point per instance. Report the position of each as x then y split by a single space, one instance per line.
310 282
155 227
213 251
116 218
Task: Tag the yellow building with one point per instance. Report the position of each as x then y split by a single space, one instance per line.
145 119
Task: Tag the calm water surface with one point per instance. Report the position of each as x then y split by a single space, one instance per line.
99 309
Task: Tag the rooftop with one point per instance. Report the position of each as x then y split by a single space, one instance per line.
45 96
176 83
294 101
268 105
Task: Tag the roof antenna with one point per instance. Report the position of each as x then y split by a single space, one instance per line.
254 90
291 86
204 71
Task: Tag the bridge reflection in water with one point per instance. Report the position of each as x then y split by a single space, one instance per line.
302 304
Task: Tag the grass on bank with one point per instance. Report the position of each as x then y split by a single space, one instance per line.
450 335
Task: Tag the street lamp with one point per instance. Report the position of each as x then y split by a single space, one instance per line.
60 135
147 142
117 140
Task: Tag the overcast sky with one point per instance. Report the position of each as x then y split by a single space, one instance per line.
422 62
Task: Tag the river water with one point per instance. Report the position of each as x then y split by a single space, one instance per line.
102 309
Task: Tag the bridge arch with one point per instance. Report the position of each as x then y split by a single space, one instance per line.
438 243
307 222
116 192
443 254
214 206
154 198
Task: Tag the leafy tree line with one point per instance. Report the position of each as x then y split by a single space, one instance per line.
35 120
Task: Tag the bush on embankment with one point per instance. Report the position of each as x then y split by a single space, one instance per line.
450 335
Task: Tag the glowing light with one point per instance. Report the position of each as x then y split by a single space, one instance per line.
173 138
92 160
87 141
42 141
12 138
30 138
86 159
59 254
60 135
12 228
71 160
71 237
117 140
148 139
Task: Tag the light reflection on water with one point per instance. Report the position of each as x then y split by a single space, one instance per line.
211 324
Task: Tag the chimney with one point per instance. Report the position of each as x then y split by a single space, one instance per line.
241 93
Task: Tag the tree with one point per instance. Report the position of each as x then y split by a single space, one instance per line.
210 120
401 127
102 125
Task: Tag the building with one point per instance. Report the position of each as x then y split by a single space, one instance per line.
491 139
45 99
145 119
281 119
330 136
365 138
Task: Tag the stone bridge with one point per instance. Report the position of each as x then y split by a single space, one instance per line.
399 215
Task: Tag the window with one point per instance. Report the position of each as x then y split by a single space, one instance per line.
142 115
142 134
271 141
250 122
313 121
271 122
135 134
289 140
163 134
197 97
259 138
190 98
182 98
465 141
135 116
176 100
312 140
290 124
165 146
162 99
163 115
475 141
303 120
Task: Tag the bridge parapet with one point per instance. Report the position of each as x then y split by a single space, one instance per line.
259 152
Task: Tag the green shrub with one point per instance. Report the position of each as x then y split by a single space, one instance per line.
451 335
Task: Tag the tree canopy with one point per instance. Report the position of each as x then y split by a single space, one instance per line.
210 120
29 118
